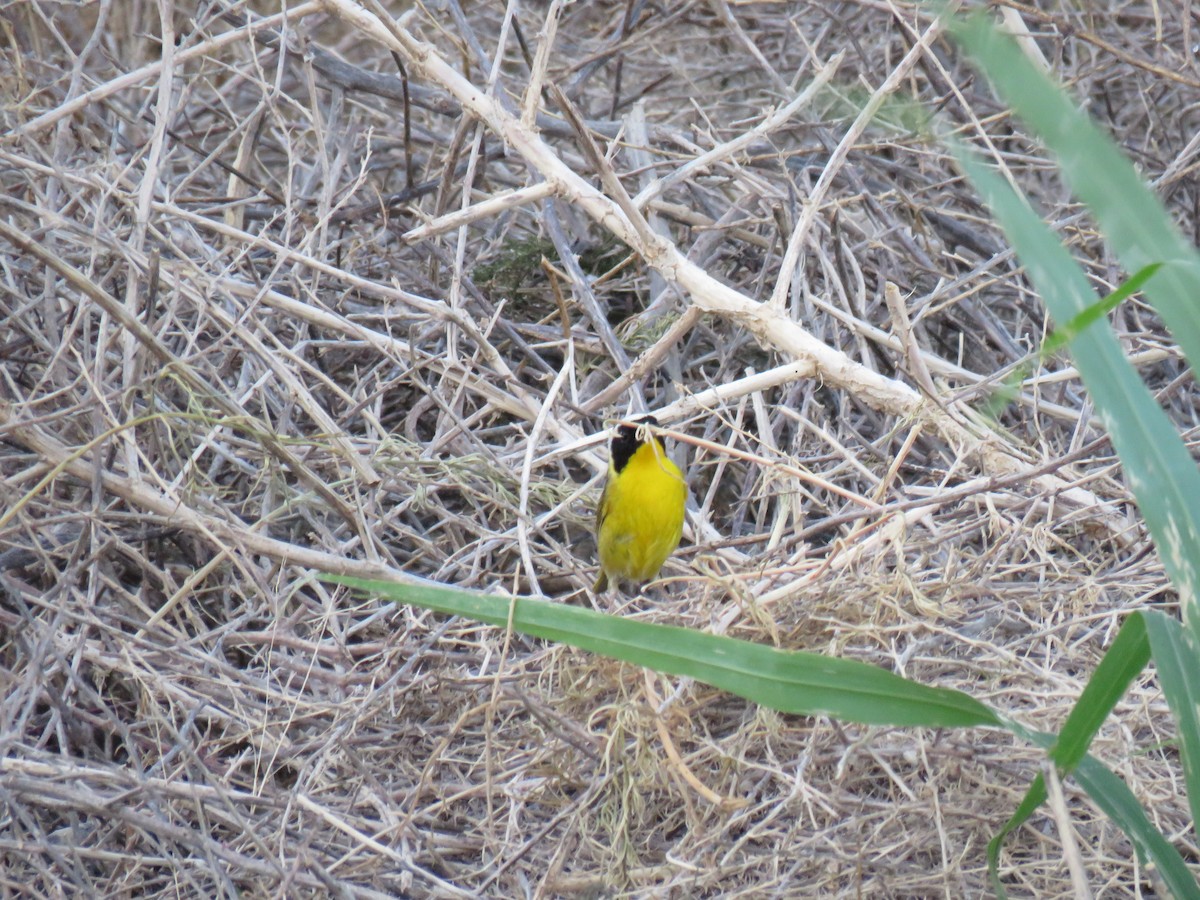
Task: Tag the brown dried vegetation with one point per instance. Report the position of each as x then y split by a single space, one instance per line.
241 336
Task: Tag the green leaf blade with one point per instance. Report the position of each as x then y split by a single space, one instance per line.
1142 234
1159 468
1124 660
789 681
1175 658
1117 802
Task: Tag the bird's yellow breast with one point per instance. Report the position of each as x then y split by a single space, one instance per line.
641 514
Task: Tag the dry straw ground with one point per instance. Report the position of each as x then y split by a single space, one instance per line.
256 320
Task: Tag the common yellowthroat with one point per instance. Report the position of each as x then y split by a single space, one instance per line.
640 517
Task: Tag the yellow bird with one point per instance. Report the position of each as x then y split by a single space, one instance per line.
640 518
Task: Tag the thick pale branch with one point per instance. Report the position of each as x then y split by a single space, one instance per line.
771 328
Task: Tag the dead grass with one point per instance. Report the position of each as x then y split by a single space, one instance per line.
221 353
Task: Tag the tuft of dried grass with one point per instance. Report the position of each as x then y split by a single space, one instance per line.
271 304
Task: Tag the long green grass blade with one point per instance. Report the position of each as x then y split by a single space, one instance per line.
1175 658
1159 469
1122 662
1155 459
1117 802
789 681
